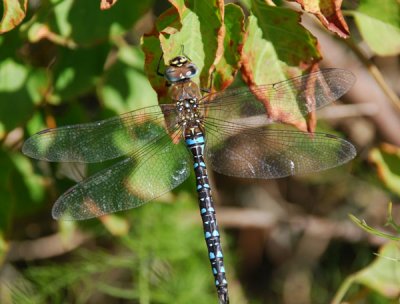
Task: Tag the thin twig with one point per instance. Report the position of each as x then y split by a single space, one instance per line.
46 247
230 217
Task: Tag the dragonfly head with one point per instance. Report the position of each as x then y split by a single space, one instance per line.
180 68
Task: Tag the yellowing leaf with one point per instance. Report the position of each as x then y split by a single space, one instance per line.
14 12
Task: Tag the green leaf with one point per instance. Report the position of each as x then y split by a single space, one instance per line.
387 161
382 275
387 11
291 42
261 65
211 32
379 25
14 12
277 48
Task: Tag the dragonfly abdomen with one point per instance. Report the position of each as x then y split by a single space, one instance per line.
194 139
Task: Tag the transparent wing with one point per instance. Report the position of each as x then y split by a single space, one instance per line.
286 101
130 183
102 140
272 151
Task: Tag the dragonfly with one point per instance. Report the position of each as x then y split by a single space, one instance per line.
234 132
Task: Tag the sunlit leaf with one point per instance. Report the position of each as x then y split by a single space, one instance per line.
387 161
382 275
116 225
379 25
14 12
3 247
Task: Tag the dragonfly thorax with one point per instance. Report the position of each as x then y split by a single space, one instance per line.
188 112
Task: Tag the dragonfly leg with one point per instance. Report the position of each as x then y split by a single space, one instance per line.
208 90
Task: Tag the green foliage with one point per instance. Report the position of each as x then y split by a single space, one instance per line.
382 275
390 222
125 87
278 22
379 25
163 270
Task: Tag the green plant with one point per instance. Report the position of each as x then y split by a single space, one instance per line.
67 62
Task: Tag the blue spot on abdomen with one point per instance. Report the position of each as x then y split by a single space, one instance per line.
190 141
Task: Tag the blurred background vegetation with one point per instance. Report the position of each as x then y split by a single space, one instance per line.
286 241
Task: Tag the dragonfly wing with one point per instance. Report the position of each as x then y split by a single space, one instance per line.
270 152
128 184
286 101
102 140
